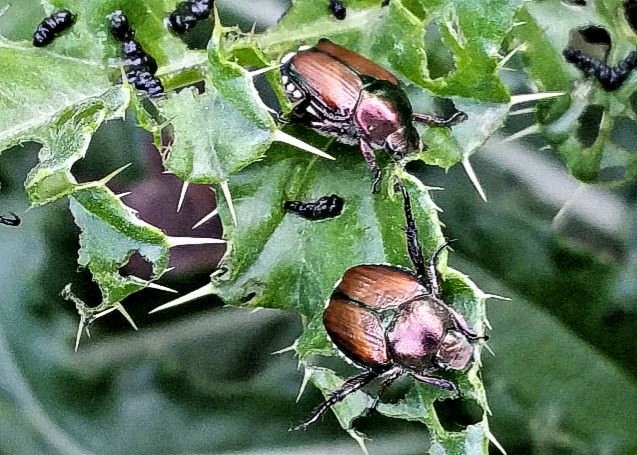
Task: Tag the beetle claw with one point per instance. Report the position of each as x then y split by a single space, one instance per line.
14 221
376 184
281 119
434 120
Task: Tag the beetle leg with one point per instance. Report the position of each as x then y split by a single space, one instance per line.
282 119
463 327
413 245
368 154
436 382
15 221
432 274
348 387
434 120
390 378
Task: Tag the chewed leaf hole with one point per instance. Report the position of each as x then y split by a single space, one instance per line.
246 298
138 266
594 41
624 133
574 2
613 174
589 124
630 11
595 35
439 56
457 414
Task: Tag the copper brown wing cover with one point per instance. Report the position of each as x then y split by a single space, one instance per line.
380 286
357 62
330 81
357 332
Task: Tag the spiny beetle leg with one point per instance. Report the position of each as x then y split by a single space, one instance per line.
432 274
413 245
368 154
436 382
390 377
348 387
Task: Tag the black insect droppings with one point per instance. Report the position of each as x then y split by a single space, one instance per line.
52 26
324 207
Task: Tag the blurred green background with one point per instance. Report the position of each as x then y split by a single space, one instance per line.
203 379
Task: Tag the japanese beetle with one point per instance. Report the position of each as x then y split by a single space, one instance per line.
324 207
341 93
391 321
51 26
13 221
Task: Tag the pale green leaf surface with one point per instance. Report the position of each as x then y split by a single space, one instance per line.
36 85
66 140
111 233
219 132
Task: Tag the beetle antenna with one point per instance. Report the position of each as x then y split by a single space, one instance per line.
413 245
348 387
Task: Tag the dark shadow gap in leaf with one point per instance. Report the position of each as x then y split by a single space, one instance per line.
246 298
198 36
593 40
457 414
624 133
630 11
595 35
574 2
589 124
266 92
138 266
439 57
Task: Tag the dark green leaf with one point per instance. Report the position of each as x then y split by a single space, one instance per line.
219 132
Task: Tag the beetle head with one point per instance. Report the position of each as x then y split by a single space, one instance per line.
403 141
455 351
385 107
